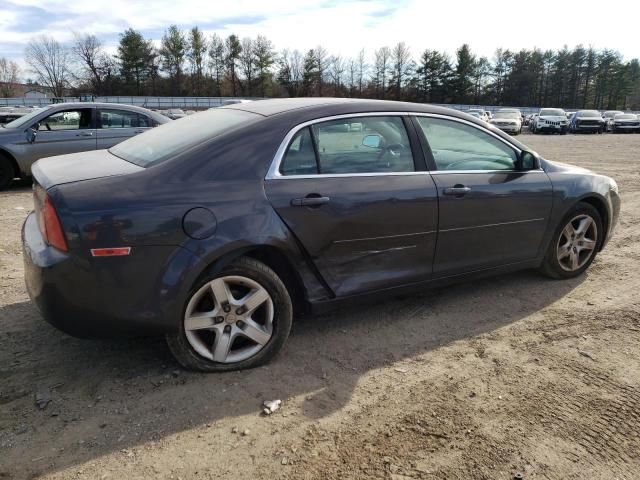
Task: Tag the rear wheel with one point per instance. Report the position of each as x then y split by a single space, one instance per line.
237 319
7 173
575 243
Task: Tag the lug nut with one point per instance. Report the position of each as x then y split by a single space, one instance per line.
226 308
227 329
240 311
240 323
219 319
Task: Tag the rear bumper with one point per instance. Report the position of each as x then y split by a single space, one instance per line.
85 298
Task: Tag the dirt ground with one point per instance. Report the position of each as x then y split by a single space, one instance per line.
517 374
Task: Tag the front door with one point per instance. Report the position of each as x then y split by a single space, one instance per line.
492 212
66 131
349 191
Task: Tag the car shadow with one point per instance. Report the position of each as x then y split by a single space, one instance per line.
107 395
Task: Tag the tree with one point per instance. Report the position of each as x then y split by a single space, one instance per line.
9 75
382 59
401 62
94 61
217 61
196 55
173 50
322 65
336 70
309 73
248 65
136 59
265 58
290 72
361 71
50 62
233 49
463 77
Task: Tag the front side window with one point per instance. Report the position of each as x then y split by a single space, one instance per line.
457 146
118 119
67 120
349 146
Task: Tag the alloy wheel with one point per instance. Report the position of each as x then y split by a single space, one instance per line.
577 243
229 319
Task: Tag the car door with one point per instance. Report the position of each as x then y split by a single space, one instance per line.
352 191
492 212
117 124
64 131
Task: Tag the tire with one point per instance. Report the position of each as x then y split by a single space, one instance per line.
552 266
7 173
274 324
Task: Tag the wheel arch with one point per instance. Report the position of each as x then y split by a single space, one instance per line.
600 205
6 153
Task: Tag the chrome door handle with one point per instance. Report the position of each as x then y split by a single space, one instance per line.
457 190
309 201
84 134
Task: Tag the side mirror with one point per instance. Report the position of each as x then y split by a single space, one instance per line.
528 161
32 133
372 141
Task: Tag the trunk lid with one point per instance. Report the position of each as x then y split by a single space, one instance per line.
76 167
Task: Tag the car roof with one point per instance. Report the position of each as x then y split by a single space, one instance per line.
327 106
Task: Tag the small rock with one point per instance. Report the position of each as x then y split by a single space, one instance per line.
284 461
102 425
43 398
472 394
246 432
175 373
271 406
234 430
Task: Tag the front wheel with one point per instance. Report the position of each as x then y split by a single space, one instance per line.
239 318
575 243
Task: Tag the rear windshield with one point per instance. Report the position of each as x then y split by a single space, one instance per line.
589 113
170 139
552 112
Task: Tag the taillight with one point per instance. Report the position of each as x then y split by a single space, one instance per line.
48 221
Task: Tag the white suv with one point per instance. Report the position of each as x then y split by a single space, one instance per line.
551 120
508 120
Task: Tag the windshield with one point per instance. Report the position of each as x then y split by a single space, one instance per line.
626 116
506 115
611 114
170 139
552 112
25 119
589 113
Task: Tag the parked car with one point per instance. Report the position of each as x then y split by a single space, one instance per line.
67 128
219 229
552 120
481 112
175 113
508 120
587 121
608 118
625 122
477 115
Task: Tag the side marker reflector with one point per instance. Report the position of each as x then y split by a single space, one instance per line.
110 252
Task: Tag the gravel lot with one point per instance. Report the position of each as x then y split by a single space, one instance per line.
517 374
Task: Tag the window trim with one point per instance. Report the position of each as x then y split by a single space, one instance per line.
274 170
132 112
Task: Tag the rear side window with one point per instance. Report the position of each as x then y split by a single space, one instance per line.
456 146
118 119
350 146
173 138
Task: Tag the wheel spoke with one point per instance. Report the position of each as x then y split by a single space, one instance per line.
220 291
568 231
584 225
564 252
222 345
255 332
199 321
574 260
254 299
588 244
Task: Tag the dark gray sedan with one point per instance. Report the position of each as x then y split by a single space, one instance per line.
219 229
67 128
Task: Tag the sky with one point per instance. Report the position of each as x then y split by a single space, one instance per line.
342 26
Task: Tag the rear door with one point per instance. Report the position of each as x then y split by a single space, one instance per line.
62 132
360 205
116 125
492 211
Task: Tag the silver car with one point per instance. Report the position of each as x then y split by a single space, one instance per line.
68 128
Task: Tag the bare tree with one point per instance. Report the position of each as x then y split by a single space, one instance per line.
383 58
95 63
217 61
336 70
322 65
50 62
401 59
9 74
265 58
196 55
248 65
361 70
